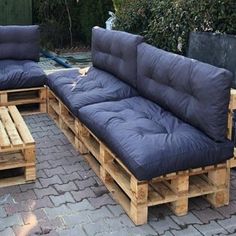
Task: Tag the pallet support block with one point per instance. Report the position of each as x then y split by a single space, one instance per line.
220 180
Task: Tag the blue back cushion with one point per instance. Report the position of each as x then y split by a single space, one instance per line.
19 42
116 52
196 92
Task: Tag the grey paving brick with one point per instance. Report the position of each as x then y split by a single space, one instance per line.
164 224
50 181
190 231
80 195
2 212
207 215
32 186
80 206
9 190
41 174
9 221
57 211
61 199
99 190
82 184
229 224
7 232
186 220
61 188
97 214
76 219
104 200
116 210
73 168
211 229
229 210
54 171
45 192
69 177
86 174
29 194
76 231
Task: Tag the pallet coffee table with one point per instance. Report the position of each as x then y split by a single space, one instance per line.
17 149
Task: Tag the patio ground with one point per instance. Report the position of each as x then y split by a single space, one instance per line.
68 199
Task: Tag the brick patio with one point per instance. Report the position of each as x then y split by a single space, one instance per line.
68 199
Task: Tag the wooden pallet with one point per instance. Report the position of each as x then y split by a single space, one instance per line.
65 120
28 101
135 196
232 107
17 148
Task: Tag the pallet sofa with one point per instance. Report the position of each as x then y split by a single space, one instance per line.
22 80
151 124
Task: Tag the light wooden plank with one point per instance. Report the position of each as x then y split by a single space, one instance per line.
4 140
21 126
10 128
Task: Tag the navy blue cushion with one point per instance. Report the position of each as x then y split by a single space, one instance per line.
149 140
196 92
97 86
116 52
19 42
20 74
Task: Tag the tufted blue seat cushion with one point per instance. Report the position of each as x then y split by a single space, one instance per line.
97 86
20 74
149 140
116 52
196 92
19 42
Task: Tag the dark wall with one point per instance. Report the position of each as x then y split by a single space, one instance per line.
216 49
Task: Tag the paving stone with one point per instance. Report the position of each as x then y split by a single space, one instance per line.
97 214
186 220
65 198
86 174
10 221
163 225
207 215
2 212
76 219
229 210
104 200
57 211
61 188
24 196
200 203
210 229
43 165
82 184
80 195
32 186
73 168
229 224
7 232
189 231
100 190
9 190
54 171
80 206
69 177
50 181
41 174
116 210
76 231
45 192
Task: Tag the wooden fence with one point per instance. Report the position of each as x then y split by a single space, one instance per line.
15 12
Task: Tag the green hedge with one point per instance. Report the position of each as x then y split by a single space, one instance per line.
167 23
52 16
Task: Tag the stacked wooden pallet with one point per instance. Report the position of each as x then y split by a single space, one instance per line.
135 196
28 101
17 148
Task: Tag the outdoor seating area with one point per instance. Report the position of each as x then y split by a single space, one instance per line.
139 143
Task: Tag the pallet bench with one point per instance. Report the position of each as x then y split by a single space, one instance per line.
17 148
28 101
175 189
